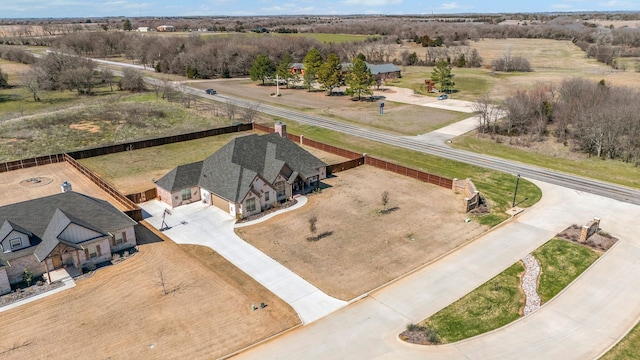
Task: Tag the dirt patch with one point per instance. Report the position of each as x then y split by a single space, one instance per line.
600 241
88 126
121 312
366 248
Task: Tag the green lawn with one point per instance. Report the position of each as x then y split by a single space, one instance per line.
561 262
490 306
605 170
470 83
499 301
497 187
132 171
627 348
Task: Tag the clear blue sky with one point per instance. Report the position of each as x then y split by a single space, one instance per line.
99 8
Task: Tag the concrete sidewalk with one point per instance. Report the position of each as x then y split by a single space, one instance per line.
200 224
67 281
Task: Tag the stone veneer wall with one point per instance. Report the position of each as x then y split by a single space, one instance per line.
472 195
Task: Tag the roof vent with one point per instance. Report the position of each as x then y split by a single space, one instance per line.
66 187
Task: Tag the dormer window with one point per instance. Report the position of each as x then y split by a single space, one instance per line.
15 243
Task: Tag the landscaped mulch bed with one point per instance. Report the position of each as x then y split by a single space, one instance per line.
599 241
21 294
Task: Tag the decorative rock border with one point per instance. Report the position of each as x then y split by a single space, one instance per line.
530 284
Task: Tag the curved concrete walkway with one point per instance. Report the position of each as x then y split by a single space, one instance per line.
206 225
582 322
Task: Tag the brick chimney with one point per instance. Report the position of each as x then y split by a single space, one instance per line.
281 128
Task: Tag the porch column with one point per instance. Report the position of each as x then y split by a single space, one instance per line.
79 264
46 268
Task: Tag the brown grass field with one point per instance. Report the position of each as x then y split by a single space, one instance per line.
121 312
551 60
366 249
398 118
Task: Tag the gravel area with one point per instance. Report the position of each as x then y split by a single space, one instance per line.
530 284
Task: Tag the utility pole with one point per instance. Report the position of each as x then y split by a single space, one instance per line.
513 204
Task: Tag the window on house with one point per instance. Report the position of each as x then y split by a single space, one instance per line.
266 196
280 188
15 243
186 194
92 252
251 205
119 238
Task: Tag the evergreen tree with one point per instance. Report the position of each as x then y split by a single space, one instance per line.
312 62
442 74
330 73
284 69
359 79
262 68
127 25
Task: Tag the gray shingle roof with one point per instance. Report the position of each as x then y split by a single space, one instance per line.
230 171
46 217
181 177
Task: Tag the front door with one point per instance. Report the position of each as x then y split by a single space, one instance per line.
57 261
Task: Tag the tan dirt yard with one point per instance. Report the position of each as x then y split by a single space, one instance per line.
365 249
120 312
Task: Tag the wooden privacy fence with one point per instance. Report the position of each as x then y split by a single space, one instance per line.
143 196
141 144
27 163
416 174
350 164
132 209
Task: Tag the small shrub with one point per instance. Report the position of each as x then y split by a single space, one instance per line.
414 327
126 253
432 336
90 266
39 283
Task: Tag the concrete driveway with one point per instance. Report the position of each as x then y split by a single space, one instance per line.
580 323
200 224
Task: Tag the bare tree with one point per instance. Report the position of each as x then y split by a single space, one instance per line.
131 80
487 113
231 110
163 283
106 76
250 112
32 81
313 221
385 199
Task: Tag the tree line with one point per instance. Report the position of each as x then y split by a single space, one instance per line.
591 117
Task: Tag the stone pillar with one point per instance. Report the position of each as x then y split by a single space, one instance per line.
589 229
281 128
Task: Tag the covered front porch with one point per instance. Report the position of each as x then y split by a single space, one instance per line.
63 259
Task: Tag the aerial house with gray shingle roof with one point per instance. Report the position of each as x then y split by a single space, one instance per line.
67 229
248 175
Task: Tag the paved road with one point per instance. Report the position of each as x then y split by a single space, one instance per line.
580 323
414 143
207 225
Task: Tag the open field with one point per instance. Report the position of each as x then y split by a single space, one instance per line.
398 118
365 249
133 171
322 37
551 60
553 155
121 312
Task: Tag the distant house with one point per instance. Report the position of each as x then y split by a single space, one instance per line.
297 68
380 71
143 29
67 229
248 175
165 28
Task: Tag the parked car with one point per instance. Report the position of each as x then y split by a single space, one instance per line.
211 92
443 97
